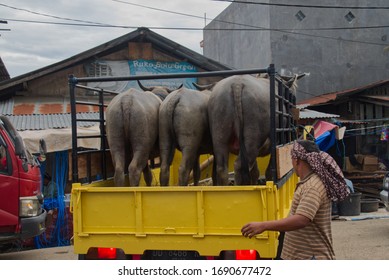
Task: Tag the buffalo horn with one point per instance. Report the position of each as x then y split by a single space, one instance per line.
203 87
143 87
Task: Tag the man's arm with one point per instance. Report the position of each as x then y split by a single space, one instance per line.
287 224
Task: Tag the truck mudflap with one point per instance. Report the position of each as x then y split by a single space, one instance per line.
33 226
204 219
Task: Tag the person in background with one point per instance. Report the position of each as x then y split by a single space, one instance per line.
308 227
49 187
3 159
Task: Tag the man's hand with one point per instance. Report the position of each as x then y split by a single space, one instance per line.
253 228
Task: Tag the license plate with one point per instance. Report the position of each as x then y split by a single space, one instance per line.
172 255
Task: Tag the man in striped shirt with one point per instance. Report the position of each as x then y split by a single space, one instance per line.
308 226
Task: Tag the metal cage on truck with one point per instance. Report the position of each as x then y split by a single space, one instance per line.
202 219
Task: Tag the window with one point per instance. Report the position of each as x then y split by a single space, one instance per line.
99 69
349 17
300 15
4 162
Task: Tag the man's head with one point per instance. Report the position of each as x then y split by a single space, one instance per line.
308 145
300 151
307 158
47 178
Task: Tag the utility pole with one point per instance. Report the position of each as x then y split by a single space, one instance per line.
4 75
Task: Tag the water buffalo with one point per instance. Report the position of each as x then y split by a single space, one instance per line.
132 132
239 119
183 124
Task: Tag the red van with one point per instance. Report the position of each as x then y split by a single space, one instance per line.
21 213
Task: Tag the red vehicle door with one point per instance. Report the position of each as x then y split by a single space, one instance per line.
9 191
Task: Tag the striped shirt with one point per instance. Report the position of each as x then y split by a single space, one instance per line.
315 240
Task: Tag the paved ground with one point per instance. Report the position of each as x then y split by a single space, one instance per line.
363 237
56 253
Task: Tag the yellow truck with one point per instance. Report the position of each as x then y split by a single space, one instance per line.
193 222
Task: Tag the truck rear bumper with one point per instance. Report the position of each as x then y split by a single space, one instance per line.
33 226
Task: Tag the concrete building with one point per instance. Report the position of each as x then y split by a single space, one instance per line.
341 44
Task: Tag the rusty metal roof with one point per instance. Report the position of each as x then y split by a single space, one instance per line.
45 113
54 112
329 97
38 115
40 105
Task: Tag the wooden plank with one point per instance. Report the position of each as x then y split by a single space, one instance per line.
284 161
140 51
94 163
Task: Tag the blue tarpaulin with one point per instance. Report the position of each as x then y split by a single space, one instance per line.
326 140
57 234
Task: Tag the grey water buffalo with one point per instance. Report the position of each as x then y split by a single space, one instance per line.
183 125
239 119
132 132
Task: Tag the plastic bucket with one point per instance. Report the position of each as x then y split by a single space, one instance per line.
369 205
351 205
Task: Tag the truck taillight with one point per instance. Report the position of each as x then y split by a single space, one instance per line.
29 206
246 254
106 253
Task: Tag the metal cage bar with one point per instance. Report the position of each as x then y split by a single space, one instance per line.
277 134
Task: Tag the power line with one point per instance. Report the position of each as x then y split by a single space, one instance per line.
249 27
158 9
254 28
367 128
339 28
47 15
257 28
200 29
71 24
306 6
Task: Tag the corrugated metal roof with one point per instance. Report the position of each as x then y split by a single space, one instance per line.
328 97
378 97
40 105
41 122
352 122
310 114
35 114
36 121
7 107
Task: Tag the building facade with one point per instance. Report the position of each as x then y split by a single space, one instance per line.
341 44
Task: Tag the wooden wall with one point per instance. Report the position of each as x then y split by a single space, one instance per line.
56 84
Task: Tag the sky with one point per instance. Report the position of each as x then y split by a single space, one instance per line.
45 32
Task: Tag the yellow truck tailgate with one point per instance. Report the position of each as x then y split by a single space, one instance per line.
206 219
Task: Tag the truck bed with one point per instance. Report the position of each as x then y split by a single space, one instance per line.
206 219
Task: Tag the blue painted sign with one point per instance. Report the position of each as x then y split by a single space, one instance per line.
147 67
